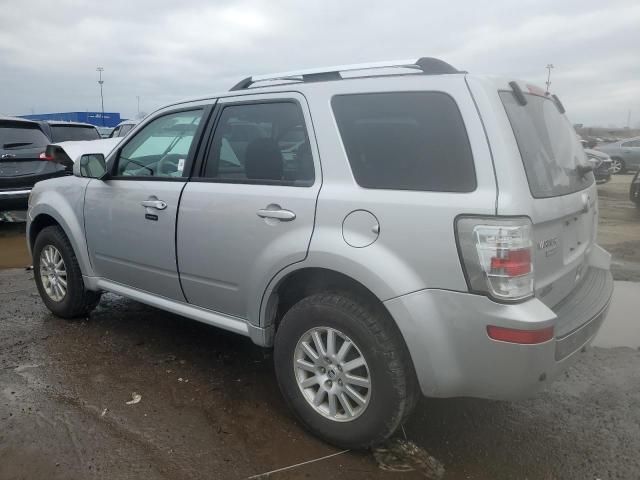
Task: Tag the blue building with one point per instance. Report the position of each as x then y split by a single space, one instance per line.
111 119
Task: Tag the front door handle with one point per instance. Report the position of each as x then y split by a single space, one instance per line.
157 204
277 213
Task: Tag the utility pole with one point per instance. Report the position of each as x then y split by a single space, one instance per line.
100 81
548 82
629 119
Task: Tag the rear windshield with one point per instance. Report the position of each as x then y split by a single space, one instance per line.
548 145
64 133
406 141
15 136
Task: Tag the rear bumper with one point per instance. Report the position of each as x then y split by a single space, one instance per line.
14 199
453 355
14 191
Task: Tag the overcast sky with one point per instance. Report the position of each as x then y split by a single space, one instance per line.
164 50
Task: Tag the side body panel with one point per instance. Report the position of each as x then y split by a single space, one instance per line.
227 253
63 200
134 244
124 244
631 154
416 247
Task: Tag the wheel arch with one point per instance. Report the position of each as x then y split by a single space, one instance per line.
44 215
37 225
305 281
294 285
302 282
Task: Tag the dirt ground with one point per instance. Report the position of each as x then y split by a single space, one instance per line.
13 247
210 407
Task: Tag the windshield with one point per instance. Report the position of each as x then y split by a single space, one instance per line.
548 145
63 133
21 136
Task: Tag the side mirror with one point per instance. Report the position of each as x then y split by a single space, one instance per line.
91 165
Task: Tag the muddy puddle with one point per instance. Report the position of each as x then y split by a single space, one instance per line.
13 248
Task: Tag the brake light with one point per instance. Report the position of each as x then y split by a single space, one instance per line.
496 255
513 264
44 156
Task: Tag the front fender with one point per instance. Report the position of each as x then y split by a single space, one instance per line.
63 200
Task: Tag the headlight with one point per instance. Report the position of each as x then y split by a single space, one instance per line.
595 161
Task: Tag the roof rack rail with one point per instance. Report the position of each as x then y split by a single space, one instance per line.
427 65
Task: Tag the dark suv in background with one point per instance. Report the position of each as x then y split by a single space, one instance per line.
65 131
23 161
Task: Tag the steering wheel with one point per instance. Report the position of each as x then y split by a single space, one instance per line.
167 165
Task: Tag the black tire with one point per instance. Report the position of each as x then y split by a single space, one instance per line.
77 301
394 389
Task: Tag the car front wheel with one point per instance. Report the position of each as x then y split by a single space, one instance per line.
617 166
344 370
58 276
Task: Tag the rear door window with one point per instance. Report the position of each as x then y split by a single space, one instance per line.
261 143
549 146
64 133
406 141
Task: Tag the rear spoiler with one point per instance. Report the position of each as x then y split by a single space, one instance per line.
533 90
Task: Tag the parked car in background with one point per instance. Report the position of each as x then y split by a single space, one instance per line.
123 128
105 132
625 154
65 131
634 191
67 153
22 145
602 165
444 244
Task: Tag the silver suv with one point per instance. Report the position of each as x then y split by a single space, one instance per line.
390 229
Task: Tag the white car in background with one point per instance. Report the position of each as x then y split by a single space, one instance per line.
67 153
123 128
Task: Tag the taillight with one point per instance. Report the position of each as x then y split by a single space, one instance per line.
44 156
497 256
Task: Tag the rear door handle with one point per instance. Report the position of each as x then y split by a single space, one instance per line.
157 204
277 213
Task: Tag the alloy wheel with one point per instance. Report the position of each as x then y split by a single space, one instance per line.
53 273
616 166
332 374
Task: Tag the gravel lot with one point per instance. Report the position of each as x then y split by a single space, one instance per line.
210 407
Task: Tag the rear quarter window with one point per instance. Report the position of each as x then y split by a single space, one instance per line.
405 141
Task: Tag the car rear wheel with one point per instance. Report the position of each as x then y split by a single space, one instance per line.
344 370
58 276
617 166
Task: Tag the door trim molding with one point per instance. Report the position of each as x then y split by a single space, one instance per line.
226 322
